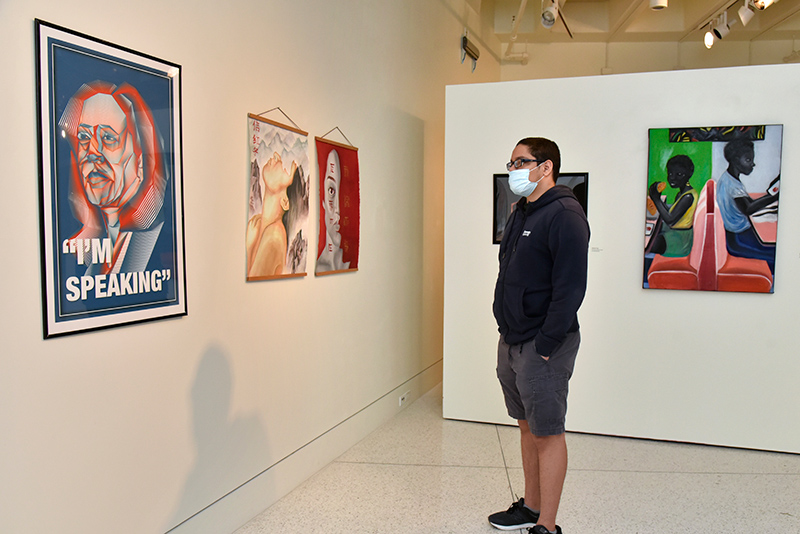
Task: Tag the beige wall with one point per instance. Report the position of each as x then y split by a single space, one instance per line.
135 429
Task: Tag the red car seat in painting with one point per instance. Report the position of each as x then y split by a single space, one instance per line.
708 266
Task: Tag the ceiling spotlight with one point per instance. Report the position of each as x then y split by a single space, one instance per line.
763 4
722 28
708 39
746 12
655 5
549 15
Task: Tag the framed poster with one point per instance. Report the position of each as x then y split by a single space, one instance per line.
277 217
711 221
111 183
339 207
504 199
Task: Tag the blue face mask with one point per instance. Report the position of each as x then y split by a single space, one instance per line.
519 182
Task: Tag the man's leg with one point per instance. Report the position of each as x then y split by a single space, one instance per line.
530 466
517 516
546 388
544 464
552 465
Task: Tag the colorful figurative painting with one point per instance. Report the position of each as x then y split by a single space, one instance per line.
111 179
339 208
278 185
712 208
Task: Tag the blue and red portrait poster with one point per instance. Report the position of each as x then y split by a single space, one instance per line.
111 181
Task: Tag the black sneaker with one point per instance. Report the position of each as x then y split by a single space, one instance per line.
539 529
514 518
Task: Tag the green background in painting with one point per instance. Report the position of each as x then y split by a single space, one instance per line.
661 150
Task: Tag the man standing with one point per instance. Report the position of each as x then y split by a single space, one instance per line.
540 286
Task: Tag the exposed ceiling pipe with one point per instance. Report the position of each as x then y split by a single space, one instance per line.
518 19
521 57
514 29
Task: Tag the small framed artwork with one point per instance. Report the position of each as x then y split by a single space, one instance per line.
111 183
505 200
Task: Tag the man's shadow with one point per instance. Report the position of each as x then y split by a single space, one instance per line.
230 451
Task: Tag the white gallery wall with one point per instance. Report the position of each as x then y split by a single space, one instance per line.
708 367
205 420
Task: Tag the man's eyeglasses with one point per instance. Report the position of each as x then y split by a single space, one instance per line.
519 162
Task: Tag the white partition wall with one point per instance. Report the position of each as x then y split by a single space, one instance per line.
707 367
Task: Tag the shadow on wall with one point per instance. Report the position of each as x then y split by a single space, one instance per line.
229 450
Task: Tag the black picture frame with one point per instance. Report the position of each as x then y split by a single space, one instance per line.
504 199
111 183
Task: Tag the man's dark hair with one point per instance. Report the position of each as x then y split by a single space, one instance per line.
543 149
736 148
682 161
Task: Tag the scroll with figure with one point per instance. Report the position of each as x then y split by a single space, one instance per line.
277 218
337 250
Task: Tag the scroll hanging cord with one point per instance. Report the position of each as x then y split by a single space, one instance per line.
284 114
341 132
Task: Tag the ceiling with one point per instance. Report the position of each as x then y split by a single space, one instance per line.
610 21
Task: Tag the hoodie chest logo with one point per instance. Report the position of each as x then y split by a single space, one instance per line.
526 233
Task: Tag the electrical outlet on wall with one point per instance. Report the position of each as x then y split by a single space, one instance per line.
404 398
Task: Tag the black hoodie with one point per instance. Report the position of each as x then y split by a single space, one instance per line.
543 263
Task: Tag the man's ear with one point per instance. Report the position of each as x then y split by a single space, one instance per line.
548 167
285 203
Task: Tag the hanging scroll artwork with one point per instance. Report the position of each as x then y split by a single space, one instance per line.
277 219
337 249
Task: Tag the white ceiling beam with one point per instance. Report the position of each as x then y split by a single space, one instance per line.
621 13
774 16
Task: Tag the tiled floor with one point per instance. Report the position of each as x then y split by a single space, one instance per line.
421 474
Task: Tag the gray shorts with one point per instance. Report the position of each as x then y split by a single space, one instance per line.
536 389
